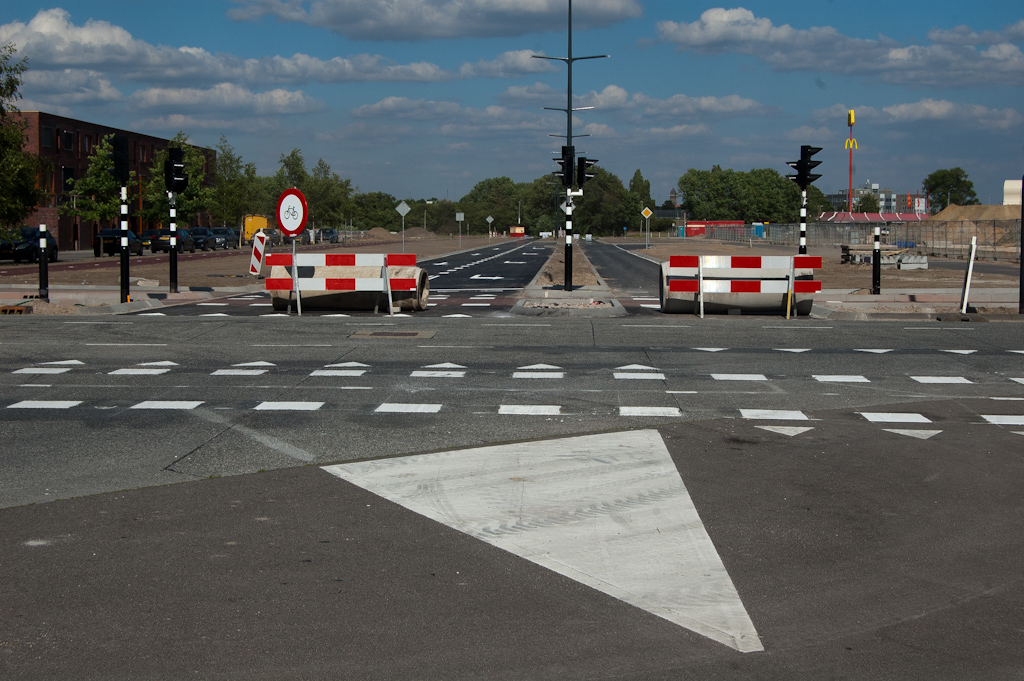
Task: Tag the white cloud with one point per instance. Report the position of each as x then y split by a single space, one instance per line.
684 105
963 115
71 86
509 65
680 131
431 19
227 97
953 60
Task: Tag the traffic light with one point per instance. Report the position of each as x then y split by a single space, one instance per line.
804 177
175 178
583 169
120 157
565 163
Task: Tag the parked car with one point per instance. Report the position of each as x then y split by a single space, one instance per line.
274 237
24 246
147 237
162 241
108 242
328 235
227 238
205 238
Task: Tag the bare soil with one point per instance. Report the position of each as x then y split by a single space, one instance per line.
553 275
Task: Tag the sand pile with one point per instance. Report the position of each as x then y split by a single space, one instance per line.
956 213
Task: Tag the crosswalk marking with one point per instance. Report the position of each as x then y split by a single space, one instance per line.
636 376
238 372
530 409
144 371
45 404
342 373
42 370
397 408
288 406
773 415
1004 420
649 411
840 379
893 417
166 404
739 377
919 434
538 374
938 380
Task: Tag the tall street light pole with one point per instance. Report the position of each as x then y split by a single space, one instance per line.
569 159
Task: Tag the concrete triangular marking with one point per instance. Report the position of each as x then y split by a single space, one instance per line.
444 365
960 352
255 364
1017 432
791 431
538 367
636 367
609 511
711 349
66 362
919 434
876 351
793 349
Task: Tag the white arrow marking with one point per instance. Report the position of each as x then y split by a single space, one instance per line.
791 431
609 511
919 434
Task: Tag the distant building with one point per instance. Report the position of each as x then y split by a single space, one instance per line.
1011 193
67 145
888 200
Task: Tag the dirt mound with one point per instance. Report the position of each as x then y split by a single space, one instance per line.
955 213
419 233
381 234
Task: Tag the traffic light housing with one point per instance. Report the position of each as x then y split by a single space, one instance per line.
583 169
804 177
565 164
120 158
175 178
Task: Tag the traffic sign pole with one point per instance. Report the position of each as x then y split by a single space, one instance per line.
292 212
125 293
403 210
174 243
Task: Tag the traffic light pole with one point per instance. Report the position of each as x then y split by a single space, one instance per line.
803 222
125 293
44 261
174 244
568 239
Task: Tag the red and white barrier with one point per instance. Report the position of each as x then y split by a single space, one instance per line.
259 243
347 281
755 283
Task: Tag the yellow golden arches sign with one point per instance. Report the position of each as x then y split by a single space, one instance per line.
851 143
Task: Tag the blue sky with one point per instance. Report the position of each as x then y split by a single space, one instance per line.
423 98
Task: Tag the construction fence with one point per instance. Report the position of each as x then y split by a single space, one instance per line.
997 239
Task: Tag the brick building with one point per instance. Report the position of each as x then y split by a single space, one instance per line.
66 146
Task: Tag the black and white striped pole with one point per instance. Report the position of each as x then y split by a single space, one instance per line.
803 221
174 244
44 262
125 293
568 239
876 263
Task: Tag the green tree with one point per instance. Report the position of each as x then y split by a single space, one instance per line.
376 209
19 171
97 195
605 207
949 187
760 195
188 204
867 203
817 203
640 193
235 191
328 196
496 197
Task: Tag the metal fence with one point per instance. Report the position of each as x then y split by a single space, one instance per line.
997 239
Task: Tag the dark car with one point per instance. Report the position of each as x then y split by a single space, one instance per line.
226 238
329 236
205 238
274 237
162 241
147 237
108 242
24 246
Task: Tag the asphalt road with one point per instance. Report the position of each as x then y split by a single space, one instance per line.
859 482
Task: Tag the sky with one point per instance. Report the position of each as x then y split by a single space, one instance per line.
425 98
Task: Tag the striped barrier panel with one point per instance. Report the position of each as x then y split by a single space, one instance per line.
354 281
738 283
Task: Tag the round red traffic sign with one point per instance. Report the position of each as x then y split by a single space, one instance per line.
292 212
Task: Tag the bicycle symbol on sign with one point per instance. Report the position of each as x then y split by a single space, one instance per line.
290 213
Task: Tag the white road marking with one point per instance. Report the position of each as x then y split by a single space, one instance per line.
636 367
68 362
255 364
137 372
893 417
474 305
739 377
396 408
609 511
166 404
438 374
876 351
1018 380
840 379
288 406
45 404
919 434
1004 420
650 411
792 349
212 304
623 375
941 379
711 349
530 409
444 365
790 431
538 374
342 373
214 314
773 415
238 372
345 364
542 367
42 370
960 352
